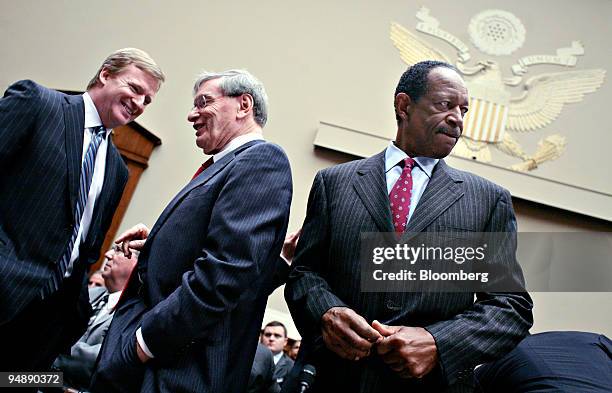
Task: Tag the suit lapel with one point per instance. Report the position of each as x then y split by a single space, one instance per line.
372 190
203 178
74 121
95 303
99 321
441 192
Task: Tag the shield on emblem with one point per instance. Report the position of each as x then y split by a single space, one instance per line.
486 119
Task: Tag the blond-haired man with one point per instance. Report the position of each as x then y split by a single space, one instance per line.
60 183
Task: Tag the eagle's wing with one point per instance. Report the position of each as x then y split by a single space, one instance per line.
546 94
412 49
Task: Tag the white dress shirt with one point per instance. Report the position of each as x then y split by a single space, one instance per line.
421 173
113 299
277 357
236 143
92 119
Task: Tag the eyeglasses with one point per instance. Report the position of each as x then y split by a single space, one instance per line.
117 248
201 101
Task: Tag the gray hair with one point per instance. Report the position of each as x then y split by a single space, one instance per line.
236 82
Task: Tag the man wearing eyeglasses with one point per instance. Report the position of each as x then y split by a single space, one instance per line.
274 337
78 364
191 312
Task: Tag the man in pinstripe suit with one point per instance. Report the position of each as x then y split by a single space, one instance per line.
44 137
190 315
393 341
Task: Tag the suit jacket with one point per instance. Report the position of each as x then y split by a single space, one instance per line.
207 268
261 379
78 365
350 199
41 144
552 362
282 368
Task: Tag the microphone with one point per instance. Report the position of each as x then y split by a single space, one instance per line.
307 377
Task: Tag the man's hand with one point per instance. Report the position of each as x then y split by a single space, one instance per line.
347 333
289 245
141 354
133 238
409 351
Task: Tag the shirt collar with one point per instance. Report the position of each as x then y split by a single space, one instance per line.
113 298
393 155
236 143
92 118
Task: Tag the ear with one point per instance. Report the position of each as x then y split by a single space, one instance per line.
104 76
403 104
246 106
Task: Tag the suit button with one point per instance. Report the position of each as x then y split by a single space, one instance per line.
391 305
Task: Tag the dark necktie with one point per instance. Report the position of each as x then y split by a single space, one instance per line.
97 309
400 196
87 170
203 167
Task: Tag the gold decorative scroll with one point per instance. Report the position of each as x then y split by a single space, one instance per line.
564 57
430 25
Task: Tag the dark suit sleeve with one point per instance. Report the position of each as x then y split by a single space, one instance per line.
552 362
496 322
280 274
18 111
78 366
307 292
246 229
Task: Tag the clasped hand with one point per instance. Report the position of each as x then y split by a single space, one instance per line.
409 351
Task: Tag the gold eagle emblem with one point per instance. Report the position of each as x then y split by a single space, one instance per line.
495 113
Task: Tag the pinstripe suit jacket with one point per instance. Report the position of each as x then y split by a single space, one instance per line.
207 267
351 198
41 144
78 365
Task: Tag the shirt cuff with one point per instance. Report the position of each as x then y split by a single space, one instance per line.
142 344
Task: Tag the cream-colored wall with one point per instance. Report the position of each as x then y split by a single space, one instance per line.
320 60
565 311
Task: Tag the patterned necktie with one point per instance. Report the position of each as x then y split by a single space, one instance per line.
87 169
203 167
400 195
97 309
